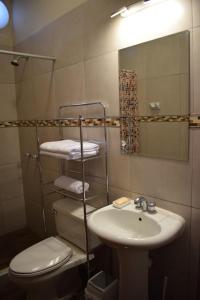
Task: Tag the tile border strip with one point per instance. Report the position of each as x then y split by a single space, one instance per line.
194 121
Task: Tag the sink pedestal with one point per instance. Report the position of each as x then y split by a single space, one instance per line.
133 281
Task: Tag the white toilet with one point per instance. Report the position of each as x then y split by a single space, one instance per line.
37 268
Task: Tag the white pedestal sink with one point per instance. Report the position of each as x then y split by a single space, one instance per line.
134 233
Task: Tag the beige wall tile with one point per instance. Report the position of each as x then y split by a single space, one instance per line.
195 68
7 70
145 176
171 92
12 177
68 45
13 214
48 134
176 182
50 221
101 32
167 56
26 106
196 12
42 43
31 181
119 165
44 94
165 140
28 141
12 206
34 218
101 38
25 69
11 172
2 225
9 152
38 14
69 84
101 81
134 58
162 73
8 109
167 180
195 144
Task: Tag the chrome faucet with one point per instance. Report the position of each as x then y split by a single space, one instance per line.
145 205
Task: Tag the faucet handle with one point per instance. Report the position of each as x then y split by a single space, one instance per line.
138 202
151 206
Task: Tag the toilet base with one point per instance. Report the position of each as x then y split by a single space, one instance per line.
59 287
48 292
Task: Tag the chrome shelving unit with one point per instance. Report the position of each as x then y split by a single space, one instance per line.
85 196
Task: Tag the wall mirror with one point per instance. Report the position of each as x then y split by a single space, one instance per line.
154 97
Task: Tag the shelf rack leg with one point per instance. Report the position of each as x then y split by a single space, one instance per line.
84 197
41 182
106 154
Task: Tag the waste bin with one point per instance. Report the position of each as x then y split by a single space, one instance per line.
101 287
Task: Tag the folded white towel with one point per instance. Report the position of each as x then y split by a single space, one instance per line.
69 156
68 147
71 184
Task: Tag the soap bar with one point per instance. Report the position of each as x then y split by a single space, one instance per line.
121 202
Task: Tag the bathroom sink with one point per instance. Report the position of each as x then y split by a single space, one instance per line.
133 228
133 233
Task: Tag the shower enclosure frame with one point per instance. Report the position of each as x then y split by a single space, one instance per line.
27 55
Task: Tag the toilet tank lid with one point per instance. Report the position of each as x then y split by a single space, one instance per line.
71 207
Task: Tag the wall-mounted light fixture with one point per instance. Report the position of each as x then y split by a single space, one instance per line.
135 7
4 15
119 12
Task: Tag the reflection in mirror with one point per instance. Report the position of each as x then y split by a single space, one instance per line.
154 97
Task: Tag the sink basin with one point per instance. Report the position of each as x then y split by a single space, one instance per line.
131 227
134 233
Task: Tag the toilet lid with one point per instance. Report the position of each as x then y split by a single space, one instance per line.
42 257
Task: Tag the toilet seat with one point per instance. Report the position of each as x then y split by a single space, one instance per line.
40 258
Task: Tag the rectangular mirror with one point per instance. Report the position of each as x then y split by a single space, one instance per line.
154 97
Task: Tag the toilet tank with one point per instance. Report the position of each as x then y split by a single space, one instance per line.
69 219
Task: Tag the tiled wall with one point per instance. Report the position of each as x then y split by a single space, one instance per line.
86 43
12 210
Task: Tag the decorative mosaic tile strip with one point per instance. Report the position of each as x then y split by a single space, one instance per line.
195 121
128 100
164 118
25 123
47 123
98 122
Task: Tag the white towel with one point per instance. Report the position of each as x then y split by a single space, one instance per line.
68 147
67 156
71 184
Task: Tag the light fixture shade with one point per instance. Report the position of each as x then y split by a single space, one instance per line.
4 15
